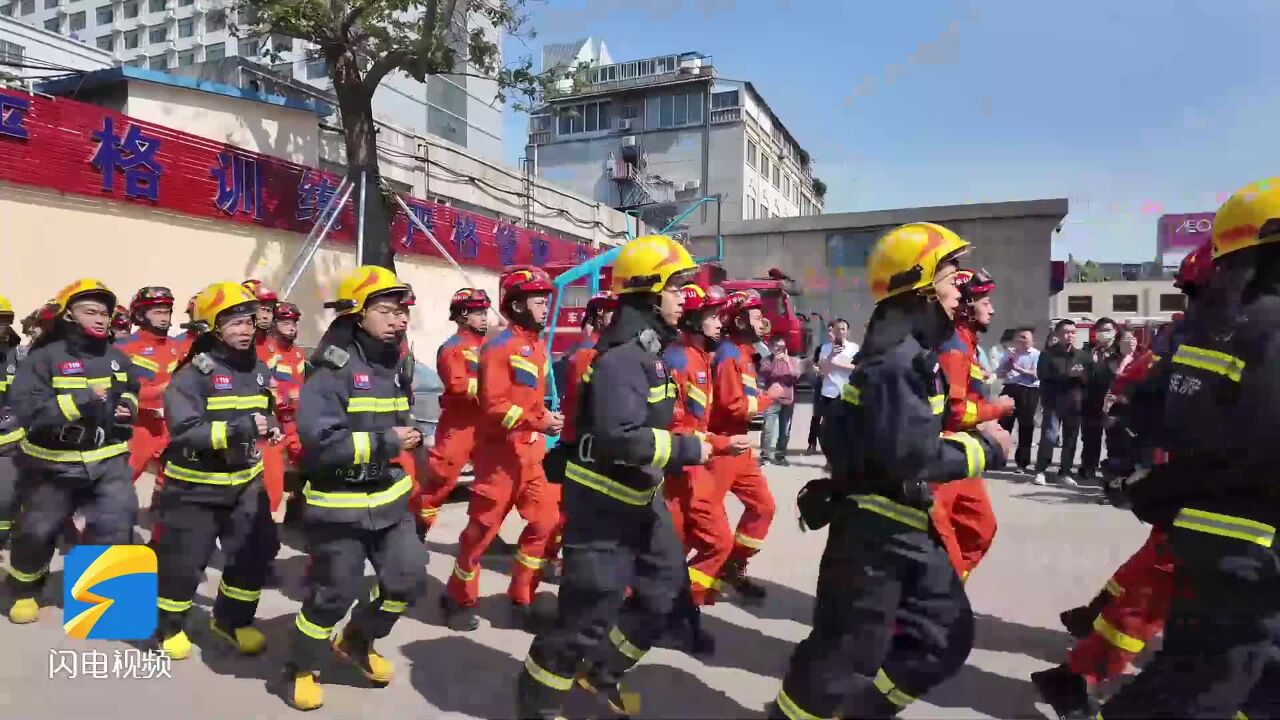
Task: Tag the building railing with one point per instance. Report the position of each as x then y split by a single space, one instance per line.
726 115
540 137
635 73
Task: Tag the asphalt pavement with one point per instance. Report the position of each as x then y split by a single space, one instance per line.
1055 548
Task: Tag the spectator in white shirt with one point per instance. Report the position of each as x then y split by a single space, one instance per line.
835 365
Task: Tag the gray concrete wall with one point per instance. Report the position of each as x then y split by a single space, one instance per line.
1011 240
725 172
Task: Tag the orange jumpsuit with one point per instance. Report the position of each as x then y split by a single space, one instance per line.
577 374
288 367
458 363
696 505
510 446
154 357
737 400
962 512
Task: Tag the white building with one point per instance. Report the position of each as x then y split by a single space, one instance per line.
1120 300
33 53
653 135
165 34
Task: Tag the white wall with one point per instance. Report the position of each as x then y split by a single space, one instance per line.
39 44
1103 294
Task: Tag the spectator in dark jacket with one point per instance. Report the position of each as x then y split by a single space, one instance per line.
1064 372
1104 355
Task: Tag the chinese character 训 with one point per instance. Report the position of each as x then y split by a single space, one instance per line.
155 664
464 237
506 237
135 155
314 193
13 112
61 661
125 663
93 663
426 216
541 249
240 184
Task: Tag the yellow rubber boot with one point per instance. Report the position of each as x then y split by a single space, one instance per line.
303 692
246 640
177 647
24 611
372 665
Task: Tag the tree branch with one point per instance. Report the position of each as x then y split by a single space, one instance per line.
383 66
351 17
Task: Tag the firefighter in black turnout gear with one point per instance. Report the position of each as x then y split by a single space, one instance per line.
354 423
76 401
216 407
618 532
891 619
1218 493
10 426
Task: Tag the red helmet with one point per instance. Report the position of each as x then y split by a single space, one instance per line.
468 299
151 296
260 292
120 320
974 284
740 301
520 281
287 311
603 300
695 298
409 298
1196 268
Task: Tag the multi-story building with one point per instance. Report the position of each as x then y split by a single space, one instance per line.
653 135
29 52
166 34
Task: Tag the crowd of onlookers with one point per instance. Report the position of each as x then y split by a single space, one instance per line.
1064 391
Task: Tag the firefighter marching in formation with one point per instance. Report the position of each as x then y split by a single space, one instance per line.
654 405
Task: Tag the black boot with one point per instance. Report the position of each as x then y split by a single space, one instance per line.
735 576
625 704
1066 692
1079 621
535 701
456 617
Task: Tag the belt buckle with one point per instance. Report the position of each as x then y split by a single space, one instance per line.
72 434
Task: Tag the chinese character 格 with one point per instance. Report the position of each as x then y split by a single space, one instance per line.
240 184
464 237
541 249
63 661
13 112
93 663
506 245
314 193
135 155
125 664
426 216
155 664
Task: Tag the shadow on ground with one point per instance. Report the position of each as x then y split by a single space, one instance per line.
1064 496
999 635
747 649
782 603
988 693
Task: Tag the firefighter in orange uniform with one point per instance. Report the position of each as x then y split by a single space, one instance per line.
267 300
154 356
288 367
736 402
120 325
962 512
510 447
572 371
458 364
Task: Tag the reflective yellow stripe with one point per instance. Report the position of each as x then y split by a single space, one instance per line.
463 575
661 448
201 477
1220 363
168 605
604 485
881 505
624 646
470 355
891 691
67 405
975 457
218 435
703 580
748 541
378 405
753 405
12 436
429 512
546 677
310 629
512 417
1128 643
473 387
237 402
240 594
27 577
970 413
794 711
391 606
74 456
358 500
975 372
529 561
1239 716
695 393
362 448
937 403
523 364
130 397
121 377
69 383
1226 526
6 525
851 394
1114 588
749 381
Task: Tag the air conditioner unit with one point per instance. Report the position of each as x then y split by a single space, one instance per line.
624 124
692 185
629 141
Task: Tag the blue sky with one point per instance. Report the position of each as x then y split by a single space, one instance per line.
1128 108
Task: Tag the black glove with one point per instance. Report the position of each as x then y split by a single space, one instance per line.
817 502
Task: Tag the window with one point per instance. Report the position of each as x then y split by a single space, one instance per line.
185 3
724 100
186 28
249 47
1173 302
105 15
215 52
750 209
131 40
106 42
131 9
78 21
158 63
186 57
281 44
52 24
1079 304
585 117
137 62
751 153
668 111
216 21
28 6
777 174
50 4
1124 303
786 185
155 6
317 69
158 34
11 52
764 166
6 10
764 211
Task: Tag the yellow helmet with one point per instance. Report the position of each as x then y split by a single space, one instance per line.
363 283
1243 219
906 258
646 264
6 308
82 288
218 298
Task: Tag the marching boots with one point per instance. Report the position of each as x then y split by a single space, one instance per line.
1066 692
1079 621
